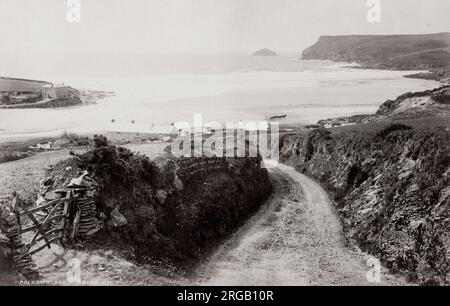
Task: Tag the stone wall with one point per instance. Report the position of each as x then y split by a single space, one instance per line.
186 168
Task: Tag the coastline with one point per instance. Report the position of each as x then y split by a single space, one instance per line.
88 97
46 103
85 97
43 158
302 106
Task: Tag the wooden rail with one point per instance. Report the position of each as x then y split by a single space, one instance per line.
56 225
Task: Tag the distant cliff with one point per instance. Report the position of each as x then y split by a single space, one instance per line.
401 52
265 52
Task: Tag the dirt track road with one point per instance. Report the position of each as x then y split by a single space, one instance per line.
295 239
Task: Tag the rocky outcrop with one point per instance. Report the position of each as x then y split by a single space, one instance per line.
265 52
391 188
411 105
435 101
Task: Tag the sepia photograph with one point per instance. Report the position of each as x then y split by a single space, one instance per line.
224 149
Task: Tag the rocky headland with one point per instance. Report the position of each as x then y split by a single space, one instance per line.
397 52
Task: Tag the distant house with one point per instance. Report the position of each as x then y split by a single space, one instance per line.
58 91
181 129
134 131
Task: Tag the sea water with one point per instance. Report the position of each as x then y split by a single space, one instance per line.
159 90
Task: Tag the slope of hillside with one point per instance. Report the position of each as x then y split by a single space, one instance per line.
404 52
14 84
412 105
392 189
389 171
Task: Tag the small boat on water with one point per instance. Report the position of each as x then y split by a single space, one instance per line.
279 117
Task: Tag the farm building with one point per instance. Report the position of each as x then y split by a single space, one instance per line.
58 91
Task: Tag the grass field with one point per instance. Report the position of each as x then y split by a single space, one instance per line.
371 129
12 84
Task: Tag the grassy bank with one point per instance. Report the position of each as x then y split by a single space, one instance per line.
48 103
23 148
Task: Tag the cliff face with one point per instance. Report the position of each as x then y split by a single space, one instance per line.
392 189
430 51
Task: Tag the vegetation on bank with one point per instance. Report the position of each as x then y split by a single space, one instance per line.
12 155
15 150
175 210
391 186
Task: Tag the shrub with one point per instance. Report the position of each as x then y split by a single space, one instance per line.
391 128
356 176
313 135
442 98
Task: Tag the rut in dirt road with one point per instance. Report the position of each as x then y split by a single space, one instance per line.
295 239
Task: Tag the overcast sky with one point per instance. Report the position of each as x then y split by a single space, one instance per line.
207 26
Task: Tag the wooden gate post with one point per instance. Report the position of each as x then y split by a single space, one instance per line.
23 263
